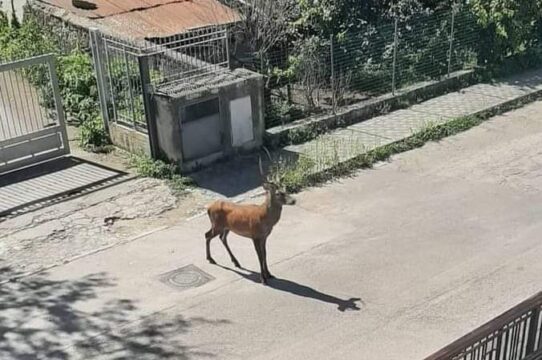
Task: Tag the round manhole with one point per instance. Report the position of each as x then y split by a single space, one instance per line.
187 278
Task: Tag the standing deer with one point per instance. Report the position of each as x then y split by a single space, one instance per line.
251 221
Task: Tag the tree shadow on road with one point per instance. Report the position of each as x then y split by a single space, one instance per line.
42 319
300 290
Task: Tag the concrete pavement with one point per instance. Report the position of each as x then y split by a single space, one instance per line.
433 244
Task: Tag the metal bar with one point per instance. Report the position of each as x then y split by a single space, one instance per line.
451 40
333 80
37 108
6 132
28 137
17 116
96 45
26 109
228 49
151 122
58 103
110 80
42 59
130 92
533 327
395 41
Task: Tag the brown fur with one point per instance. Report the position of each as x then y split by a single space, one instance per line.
251 221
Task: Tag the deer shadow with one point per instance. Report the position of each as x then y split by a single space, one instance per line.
299 290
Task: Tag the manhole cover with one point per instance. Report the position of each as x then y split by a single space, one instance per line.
186 277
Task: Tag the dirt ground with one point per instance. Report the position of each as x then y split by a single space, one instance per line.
98 220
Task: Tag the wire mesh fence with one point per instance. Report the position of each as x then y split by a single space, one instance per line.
319 75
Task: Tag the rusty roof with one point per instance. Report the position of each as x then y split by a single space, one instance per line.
151 18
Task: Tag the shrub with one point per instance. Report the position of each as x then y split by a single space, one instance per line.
147 167
93 134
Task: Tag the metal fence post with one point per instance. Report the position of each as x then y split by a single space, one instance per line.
145 76
395 41
451 41
533 329
333 80
228 47
96 44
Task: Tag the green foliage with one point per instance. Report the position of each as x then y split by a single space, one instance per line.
510 26
75 72
147 167
93 134
293 174
78 86
325 164
279 111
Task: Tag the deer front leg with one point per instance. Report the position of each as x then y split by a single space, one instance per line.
263 245
224 238
209 235
263 274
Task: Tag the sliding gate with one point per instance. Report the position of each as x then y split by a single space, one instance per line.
32 127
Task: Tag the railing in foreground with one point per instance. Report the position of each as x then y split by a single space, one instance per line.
515 335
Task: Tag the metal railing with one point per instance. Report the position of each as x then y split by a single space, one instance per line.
515 335
127 71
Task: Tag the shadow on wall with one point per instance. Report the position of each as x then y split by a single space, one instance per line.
39 319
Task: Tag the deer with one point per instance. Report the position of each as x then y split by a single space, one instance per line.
251 221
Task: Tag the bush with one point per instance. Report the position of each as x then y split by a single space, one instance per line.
509 27
78 86
93 134
147 167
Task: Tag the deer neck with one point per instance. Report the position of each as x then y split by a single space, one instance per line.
273 210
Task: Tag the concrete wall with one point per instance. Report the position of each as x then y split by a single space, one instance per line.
170 115
129 140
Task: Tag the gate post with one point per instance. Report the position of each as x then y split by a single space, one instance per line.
51 62
145 77
97 46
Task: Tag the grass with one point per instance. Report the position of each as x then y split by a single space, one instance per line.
324 162
297 175
157 169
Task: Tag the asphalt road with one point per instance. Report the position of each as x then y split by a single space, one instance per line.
393 263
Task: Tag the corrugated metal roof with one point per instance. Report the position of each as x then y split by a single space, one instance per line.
106 8
170 19
152 18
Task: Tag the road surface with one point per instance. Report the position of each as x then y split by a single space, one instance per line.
393 263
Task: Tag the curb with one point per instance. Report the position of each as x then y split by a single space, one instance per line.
321 176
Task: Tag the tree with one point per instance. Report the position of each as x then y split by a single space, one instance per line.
264 24
510 26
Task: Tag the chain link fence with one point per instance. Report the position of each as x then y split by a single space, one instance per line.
319 75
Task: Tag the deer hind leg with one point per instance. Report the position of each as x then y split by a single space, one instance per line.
224 238
263 273
210 235
263 245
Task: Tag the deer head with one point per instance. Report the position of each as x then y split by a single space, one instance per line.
277 194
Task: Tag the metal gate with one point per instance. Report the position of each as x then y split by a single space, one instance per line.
32 127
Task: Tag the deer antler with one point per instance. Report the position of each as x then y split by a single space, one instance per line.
260 162
261 167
